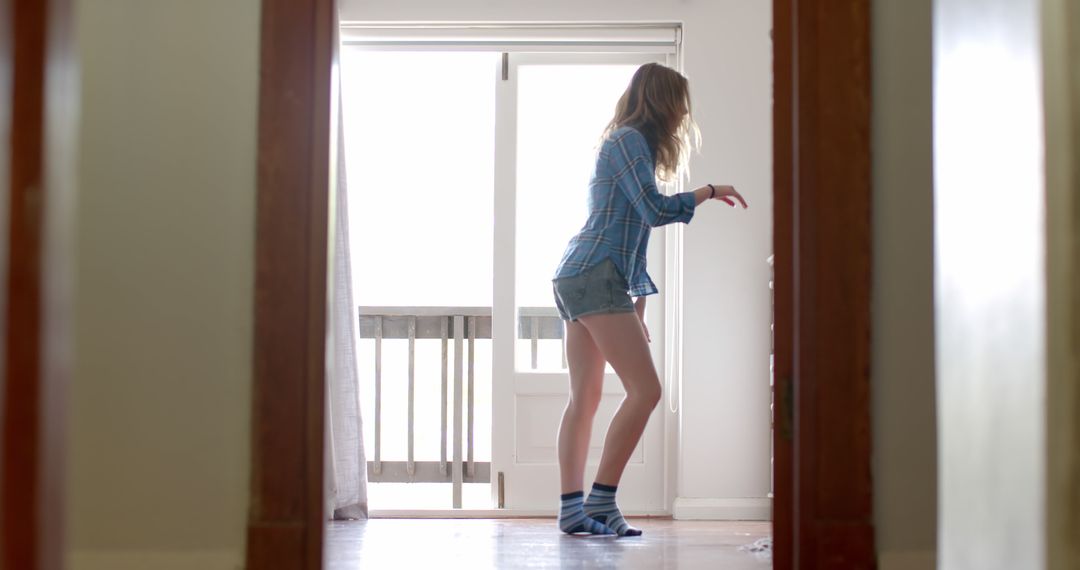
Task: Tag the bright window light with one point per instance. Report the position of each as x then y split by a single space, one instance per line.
562 112
419 138
419 130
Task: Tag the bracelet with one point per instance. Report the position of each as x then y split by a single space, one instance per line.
712 193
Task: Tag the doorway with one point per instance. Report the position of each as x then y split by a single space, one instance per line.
821 151
487 195
822 158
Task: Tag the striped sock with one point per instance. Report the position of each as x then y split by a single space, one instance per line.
572 517
601 506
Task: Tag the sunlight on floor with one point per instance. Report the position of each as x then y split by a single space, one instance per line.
537 543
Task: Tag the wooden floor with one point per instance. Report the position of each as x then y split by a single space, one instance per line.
537 543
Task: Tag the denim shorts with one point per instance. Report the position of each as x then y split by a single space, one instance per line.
599 289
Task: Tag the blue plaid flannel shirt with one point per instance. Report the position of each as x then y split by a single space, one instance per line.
624 205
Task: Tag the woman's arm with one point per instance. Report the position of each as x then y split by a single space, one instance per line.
634 175
717 192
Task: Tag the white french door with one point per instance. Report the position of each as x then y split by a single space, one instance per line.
551 109
532 100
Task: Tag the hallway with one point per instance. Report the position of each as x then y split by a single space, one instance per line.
535 543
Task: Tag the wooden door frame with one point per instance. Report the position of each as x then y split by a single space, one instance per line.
39 103
285 521
822 236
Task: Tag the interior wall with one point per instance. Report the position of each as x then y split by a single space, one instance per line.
990 283
725 400
159 434
902 375
1061 76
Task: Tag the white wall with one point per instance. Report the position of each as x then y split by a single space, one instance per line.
902 339
728 59
159 436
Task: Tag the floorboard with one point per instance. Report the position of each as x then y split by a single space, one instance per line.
537 543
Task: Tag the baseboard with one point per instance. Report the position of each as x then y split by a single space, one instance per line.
759 509
907 560
156 560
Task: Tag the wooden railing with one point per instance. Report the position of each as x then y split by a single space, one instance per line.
444 323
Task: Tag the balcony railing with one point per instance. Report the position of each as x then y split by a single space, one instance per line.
444 323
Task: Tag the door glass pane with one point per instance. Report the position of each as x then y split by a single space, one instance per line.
419 152
562 112
420 147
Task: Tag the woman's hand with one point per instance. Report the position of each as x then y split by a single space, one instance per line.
726 193
719 192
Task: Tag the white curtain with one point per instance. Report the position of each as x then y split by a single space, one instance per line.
346 463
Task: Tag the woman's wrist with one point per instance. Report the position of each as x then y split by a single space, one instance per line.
712 191
701 195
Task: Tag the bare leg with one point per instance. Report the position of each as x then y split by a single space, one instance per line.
586 382
621 341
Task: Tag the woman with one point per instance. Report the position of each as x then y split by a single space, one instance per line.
604 265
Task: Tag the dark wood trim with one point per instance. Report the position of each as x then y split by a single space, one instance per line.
39 129
286 512
23 350
823 264
784 545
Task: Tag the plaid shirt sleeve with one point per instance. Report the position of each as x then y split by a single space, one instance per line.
635 176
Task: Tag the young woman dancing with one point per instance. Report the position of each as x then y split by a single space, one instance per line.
602 268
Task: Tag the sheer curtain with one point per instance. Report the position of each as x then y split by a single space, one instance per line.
346 464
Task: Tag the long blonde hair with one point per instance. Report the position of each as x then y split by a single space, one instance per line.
657 104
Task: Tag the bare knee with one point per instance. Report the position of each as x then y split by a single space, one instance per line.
646 394
653 396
